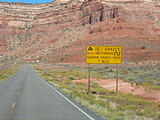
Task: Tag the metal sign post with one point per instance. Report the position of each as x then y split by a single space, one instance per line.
88 79
116 78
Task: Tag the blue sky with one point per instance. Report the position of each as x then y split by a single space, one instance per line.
27 1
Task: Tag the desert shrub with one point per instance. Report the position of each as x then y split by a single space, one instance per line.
2 76
148 112
71 78
119 116
138 81
62 59
122 108
94 84
129 69
140 112
110 70
129 78
158 117
143 47
106 67
131 107
73 85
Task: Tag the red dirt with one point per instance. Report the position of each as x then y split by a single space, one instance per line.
124 87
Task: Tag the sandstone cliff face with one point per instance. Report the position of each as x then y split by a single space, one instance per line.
63 29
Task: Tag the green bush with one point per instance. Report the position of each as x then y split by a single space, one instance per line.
140 113
2 76
110 70
122 108
62 59
73 85
94 84
71 78
149 113
106 67
143 47
158 117
131 107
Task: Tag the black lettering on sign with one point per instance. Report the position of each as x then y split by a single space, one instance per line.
92 53
117 53
90 49
104 53
105 57
116 57
97 49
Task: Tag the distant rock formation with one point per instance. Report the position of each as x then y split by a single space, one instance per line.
50 30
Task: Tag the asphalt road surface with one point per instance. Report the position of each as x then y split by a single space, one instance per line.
25 96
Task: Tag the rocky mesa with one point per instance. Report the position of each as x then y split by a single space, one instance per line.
59 31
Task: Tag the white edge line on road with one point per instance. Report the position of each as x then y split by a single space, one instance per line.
65 98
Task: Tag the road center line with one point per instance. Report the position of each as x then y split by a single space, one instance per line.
13 105
18 93
12 108
64 97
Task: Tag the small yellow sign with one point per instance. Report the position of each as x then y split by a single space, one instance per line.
104 55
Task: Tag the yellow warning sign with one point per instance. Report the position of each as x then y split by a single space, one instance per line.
104 55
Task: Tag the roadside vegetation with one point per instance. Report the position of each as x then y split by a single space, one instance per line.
106 103
4 74
148 76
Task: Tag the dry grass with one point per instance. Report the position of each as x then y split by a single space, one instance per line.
108 104
4 74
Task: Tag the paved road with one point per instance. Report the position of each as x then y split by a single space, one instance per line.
25 96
